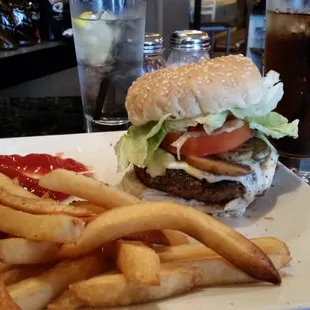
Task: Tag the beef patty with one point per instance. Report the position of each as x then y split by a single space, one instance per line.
179 183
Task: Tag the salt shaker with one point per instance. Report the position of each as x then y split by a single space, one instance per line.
187 47
153 53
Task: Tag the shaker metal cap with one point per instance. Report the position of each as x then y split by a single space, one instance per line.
190 40
153 43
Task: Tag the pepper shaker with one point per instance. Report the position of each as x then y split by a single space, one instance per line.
187 47
153 53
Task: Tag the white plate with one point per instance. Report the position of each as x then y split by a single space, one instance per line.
287 203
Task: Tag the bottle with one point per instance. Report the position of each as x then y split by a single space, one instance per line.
7 27
187 47
54 19
153 58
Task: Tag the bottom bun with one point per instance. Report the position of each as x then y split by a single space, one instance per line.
132 185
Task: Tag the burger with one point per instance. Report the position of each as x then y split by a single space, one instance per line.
199 135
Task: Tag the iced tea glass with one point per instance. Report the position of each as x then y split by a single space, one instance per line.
109 39
287 51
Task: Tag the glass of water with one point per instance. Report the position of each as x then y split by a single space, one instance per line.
109 39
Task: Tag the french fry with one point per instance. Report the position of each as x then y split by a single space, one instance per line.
216 270
67 301
40 206
9 186
6 302
20 251
21 273
231 245
87 188
160 237
88 219
4 267
114 290
99 194
196 251
138 262
175 237
3 235
5 180
88 206
149 237
37 292
56 228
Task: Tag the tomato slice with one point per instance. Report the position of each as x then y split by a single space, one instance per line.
204 144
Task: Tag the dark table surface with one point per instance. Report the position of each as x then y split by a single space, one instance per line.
21 117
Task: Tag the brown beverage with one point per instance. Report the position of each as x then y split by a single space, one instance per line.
287 51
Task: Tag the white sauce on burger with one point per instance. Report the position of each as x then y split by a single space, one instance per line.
255 183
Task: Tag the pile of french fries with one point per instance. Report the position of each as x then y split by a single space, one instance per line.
110 249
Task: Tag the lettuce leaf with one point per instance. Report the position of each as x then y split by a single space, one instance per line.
139 143
210 122
180 125
272 94
274 125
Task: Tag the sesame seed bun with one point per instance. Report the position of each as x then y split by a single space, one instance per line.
189 91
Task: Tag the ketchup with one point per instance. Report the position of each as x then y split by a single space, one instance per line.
28 169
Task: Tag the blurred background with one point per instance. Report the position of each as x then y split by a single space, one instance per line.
38 61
